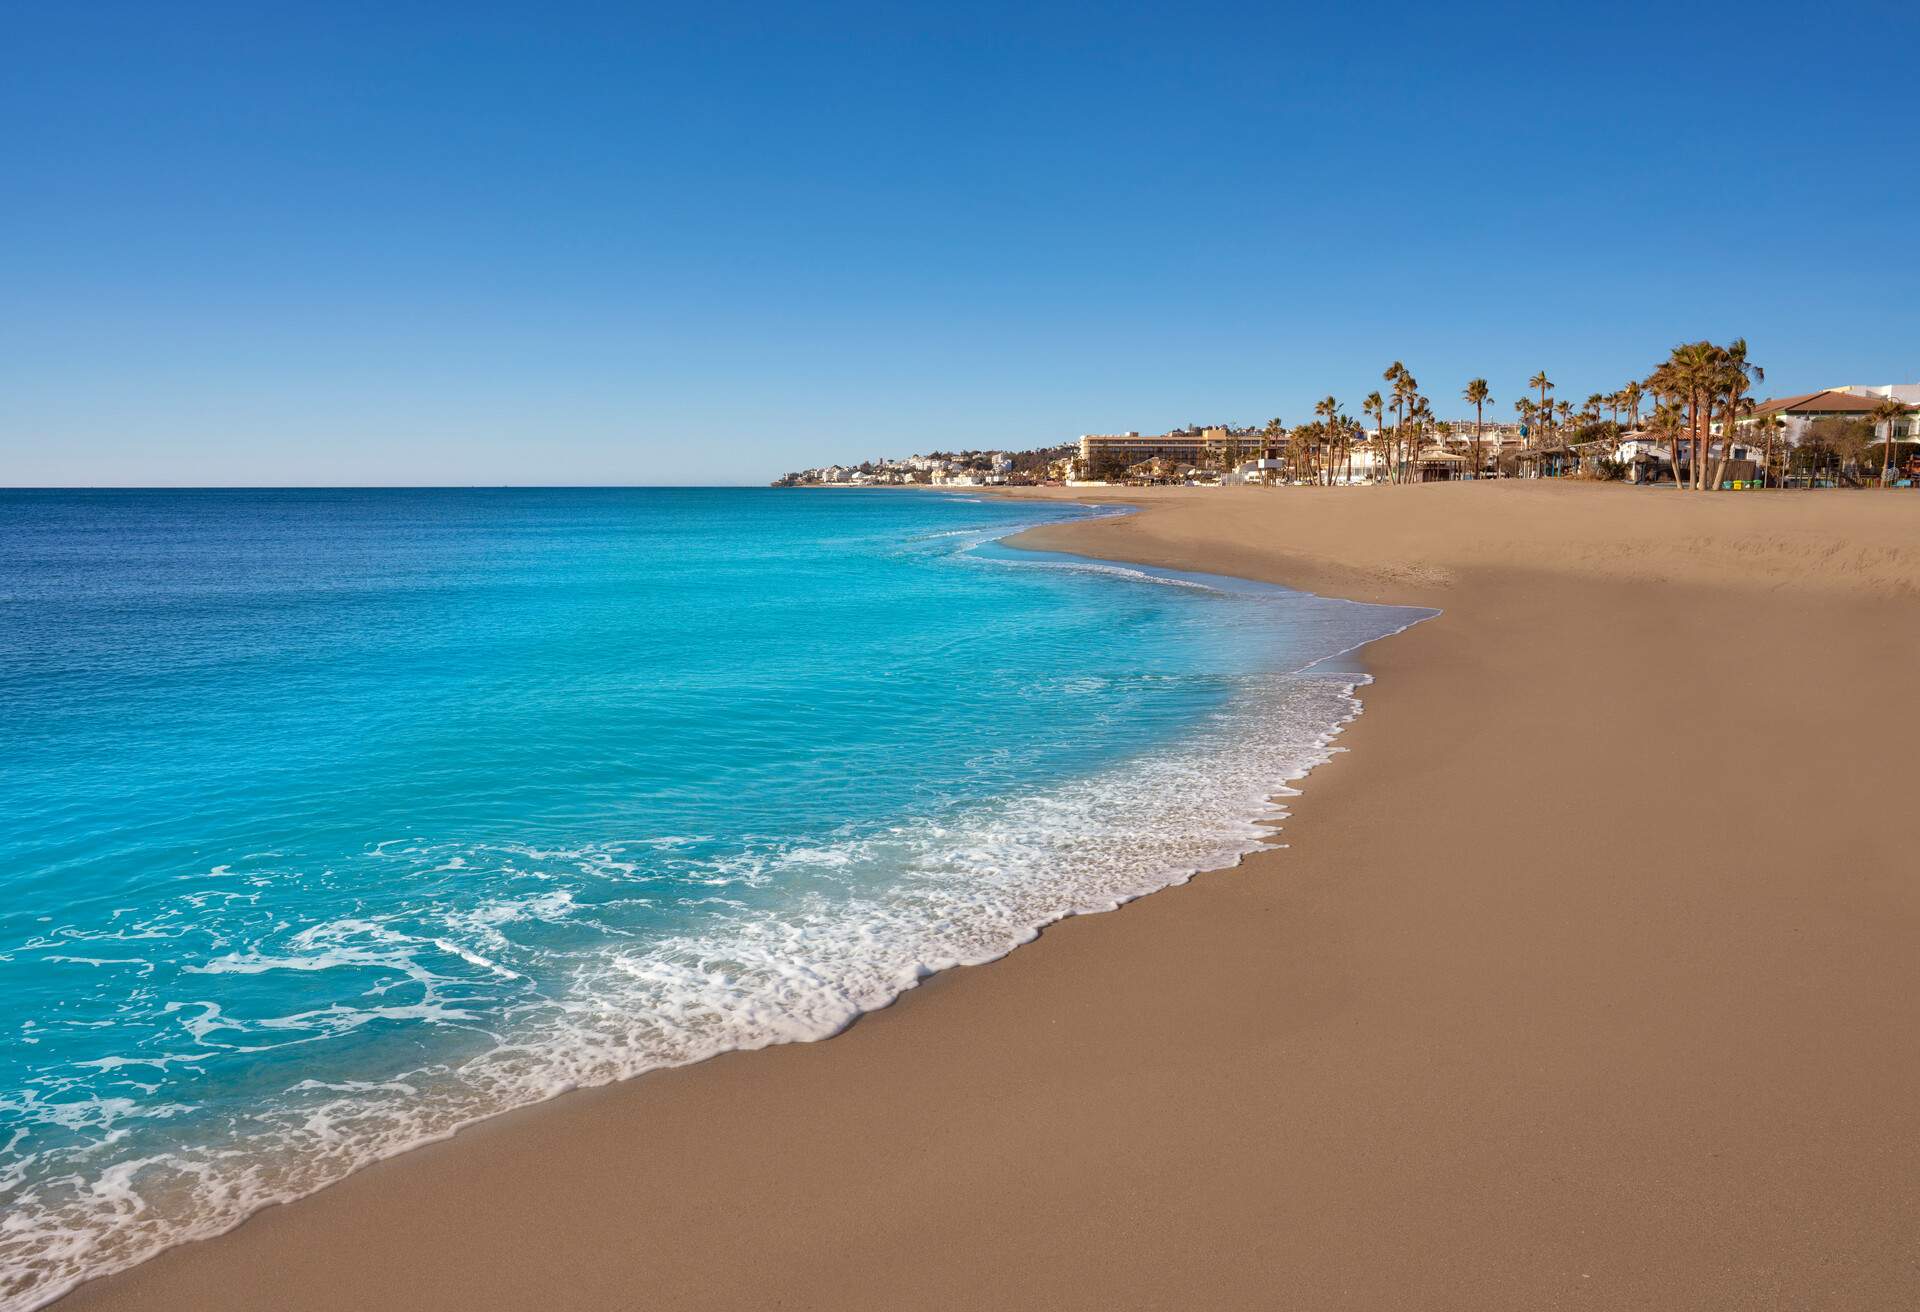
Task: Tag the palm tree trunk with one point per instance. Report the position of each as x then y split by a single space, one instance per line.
1703 476
1393 446
1677 442
1712 472
1727 442
1693 439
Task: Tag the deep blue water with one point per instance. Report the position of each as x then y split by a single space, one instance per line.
335 820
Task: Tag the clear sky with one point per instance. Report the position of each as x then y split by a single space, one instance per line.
347 243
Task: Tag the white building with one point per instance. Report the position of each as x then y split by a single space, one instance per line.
1640 443
1908 392
1797 413
1260 471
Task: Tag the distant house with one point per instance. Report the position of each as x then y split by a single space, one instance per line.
1260 471
1797 412
1362 463
1640 443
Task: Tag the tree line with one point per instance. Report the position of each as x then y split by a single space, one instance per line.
1698 384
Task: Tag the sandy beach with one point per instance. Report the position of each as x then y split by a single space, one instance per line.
1588 977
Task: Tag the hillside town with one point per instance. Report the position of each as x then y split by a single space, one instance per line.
1692 422
944 469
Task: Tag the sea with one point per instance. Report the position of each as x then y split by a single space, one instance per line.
332 821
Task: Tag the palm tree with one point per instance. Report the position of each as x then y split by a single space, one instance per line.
1272 437
1421 416
1889 412
1545 384
1316 443
1329 410
1692 375
1769 426
1737 375
1630 398
1668 421
1407 394
1663 387
1395 377
1477 395
1376 408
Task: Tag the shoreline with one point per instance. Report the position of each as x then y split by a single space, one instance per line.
1387 1064
1249 832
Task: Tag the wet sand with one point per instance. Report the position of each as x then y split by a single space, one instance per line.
1589 977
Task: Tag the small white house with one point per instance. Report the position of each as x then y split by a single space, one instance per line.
1641 443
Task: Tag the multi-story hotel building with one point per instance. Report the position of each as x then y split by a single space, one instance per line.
1102 451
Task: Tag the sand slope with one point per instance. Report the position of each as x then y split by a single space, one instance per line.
1591 977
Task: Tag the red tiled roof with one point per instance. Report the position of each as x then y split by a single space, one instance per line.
1828 401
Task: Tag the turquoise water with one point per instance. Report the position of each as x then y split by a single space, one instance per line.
336 820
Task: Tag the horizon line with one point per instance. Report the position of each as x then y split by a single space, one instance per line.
370 487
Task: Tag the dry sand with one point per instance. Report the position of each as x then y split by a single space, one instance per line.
1590 978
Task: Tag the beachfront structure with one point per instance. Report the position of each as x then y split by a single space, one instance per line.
1363 463
1645 456
1201 447
1640 442
1908 392
1796 413
1549 459
1261 471
1436 464
1649 457
1493 437
1124 450
1632 446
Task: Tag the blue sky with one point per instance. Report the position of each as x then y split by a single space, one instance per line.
352 243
